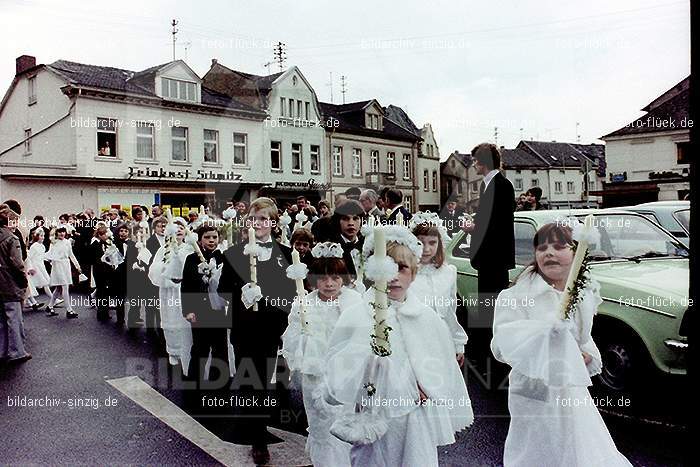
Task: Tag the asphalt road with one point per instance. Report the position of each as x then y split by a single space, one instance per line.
86 421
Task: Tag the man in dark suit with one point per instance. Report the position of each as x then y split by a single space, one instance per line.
393 199
450 216
255 334
151 294
492 247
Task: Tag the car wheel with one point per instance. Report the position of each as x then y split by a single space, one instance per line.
618 366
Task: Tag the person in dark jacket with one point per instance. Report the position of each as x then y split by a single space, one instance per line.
13 286
256 335
347 221
150 292
209 321
104 274
393 199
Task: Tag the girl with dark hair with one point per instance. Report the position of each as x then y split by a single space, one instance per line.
305 348
39 278
553 418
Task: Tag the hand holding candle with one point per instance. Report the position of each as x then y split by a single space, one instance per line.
380 293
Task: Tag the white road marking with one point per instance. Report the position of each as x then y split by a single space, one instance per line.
290 452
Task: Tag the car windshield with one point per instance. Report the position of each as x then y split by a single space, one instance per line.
632 237
684 218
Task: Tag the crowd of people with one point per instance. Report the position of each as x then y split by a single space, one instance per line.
368 326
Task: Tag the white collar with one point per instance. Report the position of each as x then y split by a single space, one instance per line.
489 176
347 240
265 240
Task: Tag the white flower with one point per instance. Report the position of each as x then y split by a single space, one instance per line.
301 217
248 250
191 238
297 271
327 250
171 230
580 233
229 213
377 269
285 219
430 219
395 233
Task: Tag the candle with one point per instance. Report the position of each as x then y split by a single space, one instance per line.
370 222
301 292
399 218
229 234
253 268
198 250
580 255
380 295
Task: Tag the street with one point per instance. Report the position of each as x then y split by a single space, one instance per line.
74 403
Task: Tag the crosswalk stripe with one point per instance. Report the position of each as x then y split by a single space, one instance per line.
290 452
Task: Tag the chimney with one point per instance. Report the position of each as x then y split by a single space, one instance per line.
214 61
24 63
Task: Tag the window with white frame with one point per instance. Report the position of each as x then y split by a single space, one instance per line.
283 106
337 160
391 162
569 187
211 146
426 180
356 162
557 187
535 182
291 108
519 184
406 166
296 158
315 158
435 180
474 187
591 185
276 155
179 143
144 141
240 148
31 90
374 161
106 137
178 89
408 202
299 109
27 141
307 108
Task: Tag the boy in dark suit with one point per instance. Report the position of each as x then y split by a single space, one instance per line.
255 335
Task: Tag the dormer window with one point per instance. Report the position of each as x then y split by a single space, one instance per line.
178 89
373 122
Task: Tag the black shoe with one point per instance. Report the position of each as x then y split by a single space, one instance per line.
20 359
50 312
260 454
37 306
71 314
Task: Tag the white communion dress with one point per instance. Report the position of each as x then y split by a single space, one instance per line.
35 260
422 355
60 253
167 276
437 288
554 420
306 352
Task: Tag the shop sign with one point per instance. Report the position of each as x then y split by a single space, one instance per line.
310 184
187 174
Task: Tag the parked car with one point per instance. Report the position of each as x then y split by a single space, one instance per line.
673 216
643 273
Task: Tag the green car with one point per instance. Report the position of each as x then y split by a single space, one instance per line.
643 273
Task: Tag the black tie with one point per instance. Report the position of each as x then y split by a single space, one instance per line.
265 244
482 188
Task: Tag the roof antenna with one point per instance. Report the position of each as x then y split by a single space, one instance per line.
330 83
343 90
280 54
174 33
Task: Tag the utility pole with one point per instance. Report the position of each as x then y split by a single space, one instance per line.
280 54
578 136
174 33
342 86
495 134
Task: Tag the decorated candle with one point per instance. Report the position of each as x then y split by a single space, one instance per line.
399 218
253 260
581 250
380 294
301 291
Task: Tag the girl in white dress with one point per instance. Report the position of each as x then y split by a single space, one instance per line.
401 406
305 348
436 281
554 420
166 273
61 256
36 269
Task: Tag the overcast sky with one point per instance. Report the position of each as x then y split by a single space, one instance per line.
464 66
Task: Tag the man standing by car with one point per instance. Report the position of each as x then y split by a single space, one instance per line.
492 247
